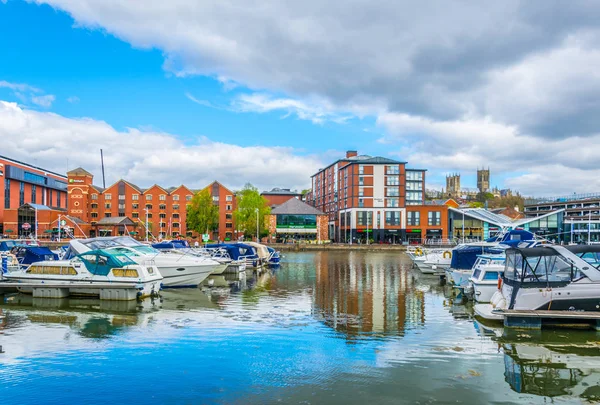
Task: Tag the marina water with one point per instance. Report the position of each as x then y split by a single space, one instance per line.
324 328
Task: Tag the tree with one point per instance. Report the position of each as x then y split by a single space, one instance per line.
248 201
202 213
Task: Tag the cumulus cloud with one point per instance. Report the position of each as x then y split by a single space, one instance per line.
503 83
43 101
146 157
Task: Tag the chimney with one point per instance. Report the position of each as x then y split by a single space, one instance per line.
351 153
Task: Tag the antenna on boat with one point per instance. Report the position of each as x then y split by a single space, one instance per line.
102 162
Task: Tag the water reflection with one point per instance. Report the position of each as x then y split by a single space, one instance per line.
329 327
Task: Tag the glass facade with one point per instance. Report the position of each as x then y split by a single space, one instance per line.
392 218
6 193
413 218
297 221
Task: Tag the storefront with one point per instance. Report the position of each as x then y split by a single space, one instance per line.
295 221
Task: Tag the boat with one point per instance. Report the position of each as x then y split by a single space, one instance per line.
546 278
94 273
178 270
266 254
181 247
27 255
240 251
483 282
433 260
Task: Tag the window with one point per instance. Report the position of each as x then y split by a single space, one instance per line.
135 197
175 224
414 196
149 206
413 218
364 218
21 194
215 198
176 197
415 176
176 207
434 218
162 207
135 206
6 193
228 207
393 192
228 225
162 215
58 199
361 191
107 206
163 225
94 196
121 197
121 206
135 215
107 215
361 202
229 198
176 216
414 185
361 181
228 216
391 202
392 181
148 197
162 197
94 215
108 196
94 206
361 169
188 197
392 218
392 170
149 215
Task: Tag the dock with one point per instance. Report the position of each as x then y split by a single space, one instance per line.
105 291
531 319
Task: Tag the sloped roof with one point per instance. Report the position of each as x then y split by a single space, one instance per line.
38 207
498 219
296 207
80 171
116 221
76 220
281 191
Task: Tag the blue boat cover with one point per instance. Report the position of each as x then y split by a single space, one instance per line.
32 254
464 257
236 250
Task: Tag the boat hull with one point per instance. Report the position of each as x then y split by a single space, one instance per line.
186 275
486 311
483 292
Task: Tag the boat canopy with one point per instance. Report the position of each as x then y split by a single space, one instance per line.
465 256
512 236
32 254
236 250
539 267
172 244
8 244
100 262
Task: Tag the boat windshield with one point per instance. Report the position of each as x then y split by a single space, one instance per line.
122 250
95 244
127 241
145 250
100 262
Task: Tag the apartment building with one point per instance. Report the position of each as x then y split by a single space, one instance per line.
124 208
366 197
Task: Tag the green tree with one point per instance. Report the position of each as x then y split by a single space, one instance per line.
202 213
249 201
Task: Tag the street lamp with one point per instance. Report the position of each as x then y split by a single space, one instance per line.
257 240
146 209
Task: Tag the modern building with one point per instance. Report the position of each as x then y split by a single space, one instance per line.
156 212
579 222
294 219
22 183
278 196
366 197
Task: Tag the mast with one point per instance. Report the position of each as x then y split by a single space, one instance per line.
102 162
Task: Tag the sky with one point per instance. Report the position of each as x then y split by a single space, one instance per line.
268 92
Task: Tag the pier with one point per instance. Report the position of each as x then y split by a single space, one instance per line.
531 319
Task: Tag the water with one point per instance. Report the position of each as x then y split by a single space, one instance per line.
325 328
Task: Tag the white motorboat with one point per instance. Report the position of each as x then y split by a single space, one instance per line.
94 273
177 270
547 278
488 269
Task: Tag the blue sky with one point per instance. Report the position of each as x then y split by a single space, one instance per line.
286 84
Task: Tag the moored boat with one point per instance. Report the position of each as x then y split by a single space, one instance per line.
488 269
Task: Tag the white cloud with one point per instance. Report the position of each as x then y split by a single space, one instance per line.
43 101
204 103
73 99
19 87
145 157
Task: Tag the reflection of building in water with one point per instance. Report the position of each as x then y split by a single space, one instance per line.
553 370
364 295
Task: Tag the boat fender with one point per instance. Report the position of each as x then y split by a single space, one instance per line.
499 283
447 254
418 252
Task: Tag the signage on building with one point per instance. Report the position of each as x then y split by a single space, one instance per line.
205 237
298 226
75 181
63 222
26 226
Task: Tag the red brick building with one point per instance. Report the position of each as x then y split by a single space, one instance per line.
21 184
364 195
158 211
278 196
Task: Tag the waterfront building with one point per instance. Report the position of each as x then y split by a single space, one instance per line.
278 196
294 219
156 212
579 223
41 189
365 196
